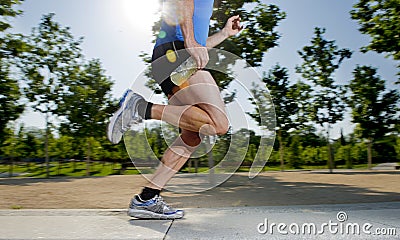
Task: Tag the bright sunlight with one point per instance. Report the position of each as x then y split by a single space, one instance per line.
141 14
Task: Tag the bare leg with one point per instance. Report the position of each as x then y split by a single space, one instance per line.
174 158
195 108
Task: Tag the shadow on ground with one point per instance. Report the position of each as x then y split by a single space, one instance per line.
30 181
268 190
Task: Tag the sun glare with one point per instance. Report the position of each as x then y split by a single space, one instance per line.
141 14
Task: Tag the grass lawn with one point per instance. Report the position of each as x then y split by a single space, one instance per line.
99 169
66 169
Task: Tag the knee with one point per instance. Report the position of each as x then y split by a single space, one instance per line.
191 139
222 128
220 122
215 128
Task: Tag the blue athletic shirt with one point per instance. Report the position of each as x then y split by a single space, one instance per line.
201 22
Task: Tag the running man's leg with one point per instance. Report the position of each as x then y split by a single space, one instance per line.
197 107
174 158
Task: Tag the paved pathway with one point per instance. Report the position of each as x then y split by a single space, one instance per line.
278 222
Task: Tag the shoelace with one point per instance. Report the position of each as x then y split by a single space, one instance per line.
126 128
134 120
161 204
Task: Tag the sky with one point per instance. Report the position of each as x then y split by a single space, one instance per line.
118 31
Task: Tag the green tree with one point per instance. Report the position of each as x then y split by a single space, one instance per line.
31 145
374 109
289 101
60 149
155 140
87 106
320 60
11 46
260 33
10 146
380 20
47 67
295 150
397 148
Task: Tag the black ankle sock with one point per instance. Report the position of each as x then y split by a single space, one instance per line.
148 193
144 109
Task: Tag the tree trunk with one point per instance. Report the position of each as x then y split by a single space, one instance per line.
59 167
196 165
88 158
210 160
349 162
281 150
190 165
330 157
46 147
28 166
11 168
369 151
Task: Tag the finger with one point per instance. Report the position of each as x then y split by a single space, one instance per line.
207 58
204 60
236 26
198 62
201 66
234 17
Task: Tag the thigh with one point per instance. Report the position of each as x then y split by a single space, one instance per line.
201 91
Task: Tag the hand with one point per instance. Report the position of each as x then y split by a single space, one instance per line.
199 53
232 26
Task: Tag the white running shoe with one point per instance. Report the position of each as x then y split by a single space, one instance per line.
155 208
124 117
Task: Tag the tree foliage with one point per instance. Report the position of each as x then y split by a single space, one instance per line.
374 108
88 103
86 107
320 60
11 45
260 33
380 20
50 64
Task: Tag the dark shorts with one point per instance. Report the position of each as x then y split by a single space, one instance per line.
162 65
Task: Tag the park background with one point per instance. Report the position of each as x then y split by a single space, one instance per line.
58 90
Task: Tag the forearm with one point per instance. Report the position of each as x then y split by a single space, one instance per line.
216 38
231 28
197 51
186 14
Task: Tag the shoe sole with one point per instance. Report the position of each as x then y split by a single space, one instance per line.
113 119
143 214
